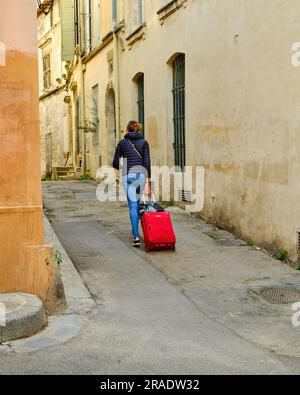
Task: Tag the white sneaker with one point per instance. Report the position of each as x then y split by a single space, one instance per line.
136 242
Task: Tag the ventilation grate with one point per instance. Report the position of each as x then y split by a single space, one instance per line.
185 196
280 295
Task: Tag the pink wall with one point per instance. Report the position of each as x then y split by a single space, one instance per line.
21 222
18 35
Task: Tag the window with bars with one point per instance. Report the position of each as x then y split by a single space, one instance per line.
179 110
47 71
141 101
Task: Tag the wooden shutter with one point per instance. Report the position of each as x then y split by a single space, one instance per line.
68 29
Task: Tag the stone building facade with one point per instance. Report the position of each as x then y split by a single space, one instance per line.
52 72
214 85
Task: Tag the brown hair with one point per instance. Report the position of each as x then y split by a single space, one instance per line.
134 126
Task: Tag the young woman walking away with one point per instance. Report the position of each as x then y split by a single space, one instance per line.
136 172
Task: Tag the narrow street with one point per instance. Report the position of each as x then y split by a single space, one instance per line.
189 312
90 88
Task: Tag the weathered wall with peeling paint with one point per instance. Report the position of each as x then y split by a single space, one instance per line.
242 108
54 123
248 120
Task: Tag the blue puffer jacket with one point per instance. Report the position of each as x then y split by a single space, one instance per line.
125 150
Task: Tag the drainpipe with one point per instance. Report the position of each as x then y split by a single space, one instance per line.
83 68
114 11
84 118
117 63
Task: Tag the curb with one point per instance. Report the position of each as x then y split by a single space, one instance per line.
79 299
24 316
66 326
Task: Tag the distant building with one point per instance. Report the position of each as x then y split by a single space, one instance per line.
55 128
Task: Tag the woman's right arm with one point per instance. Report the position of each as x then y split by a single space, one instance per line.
118 156
147 158
147 166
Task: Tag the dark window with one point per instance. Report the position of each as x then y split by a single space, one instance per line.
51 18
77 22
179 110
141 101
47 71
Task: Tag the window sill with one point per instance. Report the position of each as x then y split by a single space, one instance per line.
137 35
170 8
51 91
105 41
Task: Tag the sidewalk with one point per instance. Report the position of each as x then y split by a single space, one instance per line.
79 300
67 325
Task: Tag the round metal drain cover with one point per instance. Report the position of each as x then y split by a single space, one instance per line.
280 295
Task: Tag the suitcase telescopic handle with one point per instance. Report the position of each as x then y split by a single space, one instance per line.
152 197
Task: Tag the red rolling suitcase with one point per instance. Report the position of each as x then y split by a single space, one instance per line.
158 231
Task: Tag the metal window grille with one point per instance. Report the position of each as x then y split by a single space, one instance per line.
179 110
185 196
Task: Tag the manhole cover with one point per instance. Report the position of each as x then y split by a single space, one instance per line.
280 295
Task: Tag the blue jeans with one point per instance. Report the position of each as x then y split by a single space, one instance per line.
134 185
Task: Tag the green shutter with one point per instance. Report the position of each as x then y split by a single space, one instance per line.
67 29
96 23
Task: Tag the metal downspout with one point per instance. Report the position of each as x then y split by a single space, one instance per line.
116 51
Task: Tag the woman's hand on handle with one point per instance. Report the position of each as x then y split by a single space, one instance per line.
147 190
